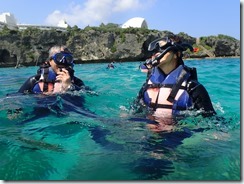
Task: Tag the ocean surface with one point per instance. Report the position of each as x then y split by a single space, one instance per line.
92 135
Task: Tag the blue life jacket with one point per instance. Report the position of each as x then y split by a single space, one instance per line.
174 81
46 81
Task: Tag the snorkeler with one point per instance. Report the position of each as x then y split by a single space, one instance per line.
111 65
55 75
171 87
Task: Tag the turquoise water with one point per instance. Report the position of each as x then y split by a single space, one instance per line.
93 136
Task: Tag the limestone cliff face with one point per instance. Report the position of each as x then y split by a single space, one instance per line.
30 47
224 46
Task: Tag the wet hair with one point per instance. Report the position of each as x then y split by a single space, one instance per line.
58 48
175 38
181 47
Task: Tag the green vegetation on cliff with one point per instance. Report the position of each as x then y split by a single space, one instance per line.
103 43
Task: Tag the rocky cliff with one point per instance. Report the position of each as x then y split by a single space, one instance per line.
94 44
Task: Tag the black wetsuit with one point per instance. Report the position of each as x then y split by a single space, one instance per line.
27 87
201 99
29 84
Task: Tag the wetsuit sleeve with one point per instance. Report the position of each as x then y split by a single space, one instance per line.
79 84
201 99
27 87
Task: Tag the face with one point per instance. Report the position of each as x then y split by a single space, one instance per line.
167 58
61 60
55 67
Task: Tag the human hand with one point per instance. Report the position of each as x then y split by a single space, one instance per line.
64 78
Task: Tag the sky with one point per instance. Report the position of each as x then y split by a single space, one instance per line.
194 17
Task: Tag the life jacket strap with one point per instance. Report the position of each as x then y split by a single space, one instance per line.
159 85
165 106
177 86
46 84
156 105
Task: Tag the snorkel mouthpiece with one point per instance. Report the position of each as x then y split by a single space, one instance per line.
164 45
154 62
160 45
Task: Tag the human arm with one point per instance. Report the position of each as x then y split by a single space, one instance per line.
201 99
69 81
77 84
27 87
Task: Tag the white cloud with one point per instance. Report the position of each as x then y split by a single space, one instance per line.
94 12
124 5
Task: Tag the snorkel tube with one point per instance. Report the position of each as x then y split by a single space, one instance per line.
154 62
168 46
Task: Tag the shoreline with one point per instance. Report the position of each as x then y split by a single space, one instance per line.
221 57
120 61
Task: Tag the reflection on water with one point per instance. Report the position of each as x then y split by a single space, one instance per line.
71 144
93 136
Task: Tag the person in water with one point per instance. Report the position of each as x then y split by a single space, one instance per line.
56 75
111 65
171 87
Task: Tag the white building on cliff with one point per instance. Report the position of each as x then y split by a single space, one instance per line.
136 22
8 19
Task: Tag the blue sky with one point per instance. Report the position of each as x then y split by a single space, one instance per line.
194 17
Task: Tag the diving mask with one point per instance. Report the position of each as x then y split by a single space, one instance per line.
160 44
63 58
164 45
